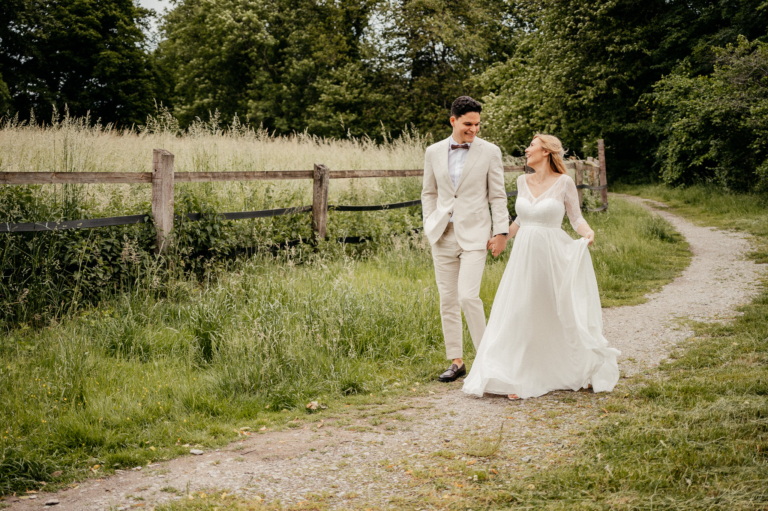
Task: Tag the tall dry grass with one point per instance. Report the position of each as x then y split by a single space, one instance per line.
70 144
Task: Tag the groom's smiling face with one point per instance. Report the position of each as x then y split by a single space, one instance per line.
465 128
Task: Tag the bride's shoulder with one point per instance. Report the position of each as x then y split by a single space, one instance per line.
567 180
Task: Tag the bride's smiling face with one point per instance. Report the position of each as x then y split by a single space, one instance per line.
535 153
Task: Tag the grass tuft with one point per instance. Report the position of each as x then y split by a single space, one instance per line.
485 446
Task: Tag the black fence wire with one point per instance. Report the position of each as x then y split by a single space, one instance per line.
240 215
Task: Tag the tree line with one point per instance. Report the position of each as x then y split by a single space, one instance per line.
676 88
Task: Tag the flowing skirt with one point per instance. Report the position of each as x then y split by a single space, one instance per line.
545 328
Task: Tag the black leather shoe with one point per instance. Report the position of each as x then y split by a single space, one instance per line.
453 373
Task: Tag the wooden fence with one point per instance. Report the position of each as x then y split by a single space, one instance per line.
163 177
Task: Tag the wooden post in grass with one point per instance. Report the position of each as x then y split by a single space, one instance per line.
579 167
162 197
320 200
592 171
603 177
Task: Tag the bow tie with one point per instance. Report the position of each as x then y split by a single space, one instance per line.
459 146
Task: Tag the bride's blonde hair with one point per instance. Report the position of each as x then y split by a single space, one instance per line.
556 152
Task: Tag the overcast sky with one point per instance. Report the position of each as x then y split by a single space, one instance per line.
159 6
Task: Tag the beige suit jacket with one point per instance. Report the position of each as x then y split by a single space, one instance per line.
481 182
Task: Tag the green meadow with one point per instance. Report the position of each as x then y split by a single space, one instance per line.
690 434
189 360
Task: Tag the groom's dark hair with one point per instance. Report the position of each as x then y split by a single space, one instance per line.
463 105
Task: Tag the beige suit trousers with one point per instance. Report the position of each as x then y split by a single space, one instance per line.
458 274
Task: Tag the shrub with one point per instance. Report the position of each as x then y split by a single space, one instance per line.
714 127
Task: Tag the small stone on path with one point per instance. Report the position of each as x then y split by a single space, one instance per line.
196 452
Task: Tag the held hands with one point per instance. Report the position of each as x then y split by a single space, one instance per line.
497 244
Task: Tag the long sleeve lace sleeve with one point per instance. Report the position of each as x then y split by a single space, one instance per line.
572 205
519 188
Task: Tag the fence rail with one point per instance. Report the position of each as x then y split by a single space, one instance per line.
163 178
65 178
134 178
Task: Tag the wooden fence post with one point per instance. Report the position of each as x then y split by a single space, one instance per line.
592 171
580 180
162 197
320 200
603 177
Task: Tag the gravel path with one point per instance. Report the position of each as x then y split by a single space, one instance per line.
367 457
717 281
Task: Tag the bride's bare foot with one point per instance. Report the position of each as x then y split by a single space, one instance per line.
513 397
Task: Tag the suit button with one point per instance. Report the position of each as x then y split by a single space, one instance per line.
455 196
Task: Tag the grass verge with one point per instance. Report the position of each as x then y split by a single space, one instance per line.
711 206
149 374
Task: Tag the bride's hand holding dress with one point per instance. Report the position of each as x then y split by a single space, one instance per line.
587 233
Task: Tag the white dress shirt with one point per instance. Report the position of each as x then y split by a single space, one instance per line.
456 160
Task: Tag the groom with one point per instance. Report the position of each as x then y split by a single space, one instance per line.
462 174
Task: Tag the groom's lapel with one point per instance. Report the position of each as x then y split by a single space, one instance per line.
475 149
442 162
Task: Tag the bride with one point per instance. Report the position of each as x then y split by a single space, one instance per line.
545 328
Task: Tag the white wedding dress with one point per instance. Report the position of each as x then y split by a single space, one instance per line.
545 328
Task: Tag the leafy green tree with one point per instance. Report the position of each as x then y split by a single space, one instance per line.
438 47
260 59
358 101
332 67
5 97
715 127
582 67
88 55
